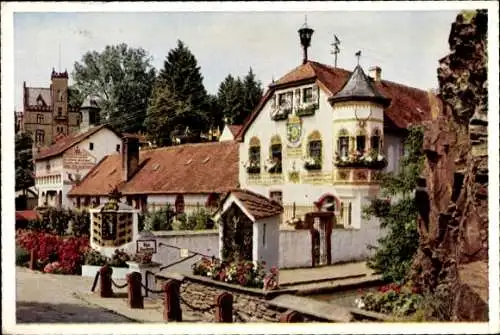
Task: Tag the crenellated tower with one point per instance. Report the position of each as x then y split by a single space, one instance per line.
59 96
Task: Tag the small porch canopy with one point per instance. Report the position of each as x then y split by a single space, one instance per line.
249 227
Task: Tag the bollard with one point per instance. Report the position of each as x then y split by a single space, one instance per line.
135 298
172 308
291 316
224 307
106 291
33 259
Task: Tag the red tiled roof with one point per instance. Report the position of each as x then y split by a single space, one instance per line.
235 128
189 168
67 142
257 205
28 215
408 105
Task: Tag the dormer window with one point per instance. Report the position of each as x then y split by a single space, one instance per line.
282 100
307 96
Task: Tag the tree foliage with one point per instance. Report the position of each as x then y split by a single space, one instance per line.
24 161
394 253
238 97
122 77
179 103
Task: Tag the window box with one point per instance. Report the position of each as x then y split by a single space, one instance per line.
253 169
370 161
281 114
312 166
307 110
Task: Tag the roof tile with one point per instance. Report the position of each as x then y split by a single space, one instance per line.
257 205
182 169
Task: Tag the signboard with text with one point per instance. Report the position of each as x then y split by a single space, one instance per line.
78 158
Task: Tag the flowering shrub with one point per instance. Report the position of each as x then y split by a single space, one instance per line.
55 268
68 251
312 163
240 272
143 257
391 299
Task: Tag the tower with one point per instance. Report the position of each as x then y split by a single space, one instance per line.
305 34
90 113
358 135
59 96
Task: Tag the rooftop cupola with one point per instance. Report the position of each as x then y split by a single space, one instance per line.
89 112
305 34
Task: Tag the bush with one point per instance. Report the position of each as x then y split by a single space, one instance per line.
57 221
51 248
119 259
393 299
198 220
22 256
160 219
94 257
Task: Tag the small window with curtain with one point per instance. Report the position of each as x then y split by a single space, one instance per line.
360 144
314 161
308 95
276 158
343 145
276 196
375 141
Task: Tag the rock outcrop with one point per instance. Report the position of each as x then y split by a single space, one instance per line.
453 192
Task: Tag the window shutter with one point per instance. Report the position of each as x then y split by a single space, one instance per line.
315 94
297 97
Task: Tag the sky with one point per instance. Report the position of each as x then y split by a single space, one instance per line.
405 44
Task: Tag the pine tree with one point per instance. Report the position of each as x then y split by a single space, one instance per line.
24 161
394 253
252 94
180 84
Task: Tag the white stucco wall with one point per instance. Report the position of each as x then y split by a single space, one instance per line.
266 250
351 244
204 241
394 149
295 249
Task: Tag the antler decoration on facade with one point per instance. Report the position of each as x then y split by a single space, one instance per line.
362 122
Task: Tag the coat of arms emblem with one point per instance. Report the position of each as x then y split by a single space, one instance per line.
294 130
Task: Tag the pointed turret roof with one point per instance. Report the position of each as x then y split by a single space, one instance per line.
359 87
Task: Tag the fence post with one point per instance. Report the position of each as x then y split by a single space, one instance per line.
224 307
135 298
33 259
291 316
172 308
106 291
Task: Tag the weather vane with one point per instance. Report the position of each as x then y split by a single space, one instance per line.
358 54
336 49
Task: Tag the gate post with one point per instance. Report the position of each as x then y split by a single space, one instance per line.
172 308
33 259
135 298
291 316
224 307
106 291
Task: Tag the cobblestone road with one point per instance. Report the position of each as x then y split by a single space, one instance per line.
44 298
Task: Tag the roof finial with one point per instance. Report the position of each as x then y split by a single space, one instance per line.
336 49
358 54
305 34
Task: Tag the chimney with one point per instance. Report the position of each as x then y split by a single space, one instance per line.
375 73
130 157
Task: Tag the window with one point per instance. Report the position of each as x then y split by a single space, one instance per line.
79 119
375 141
360 143
118 147
179 204
59 95
91 146
39 118
254 155
343 143
308 95
59 111
276 196
282 99
276 157
40 136
315 150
